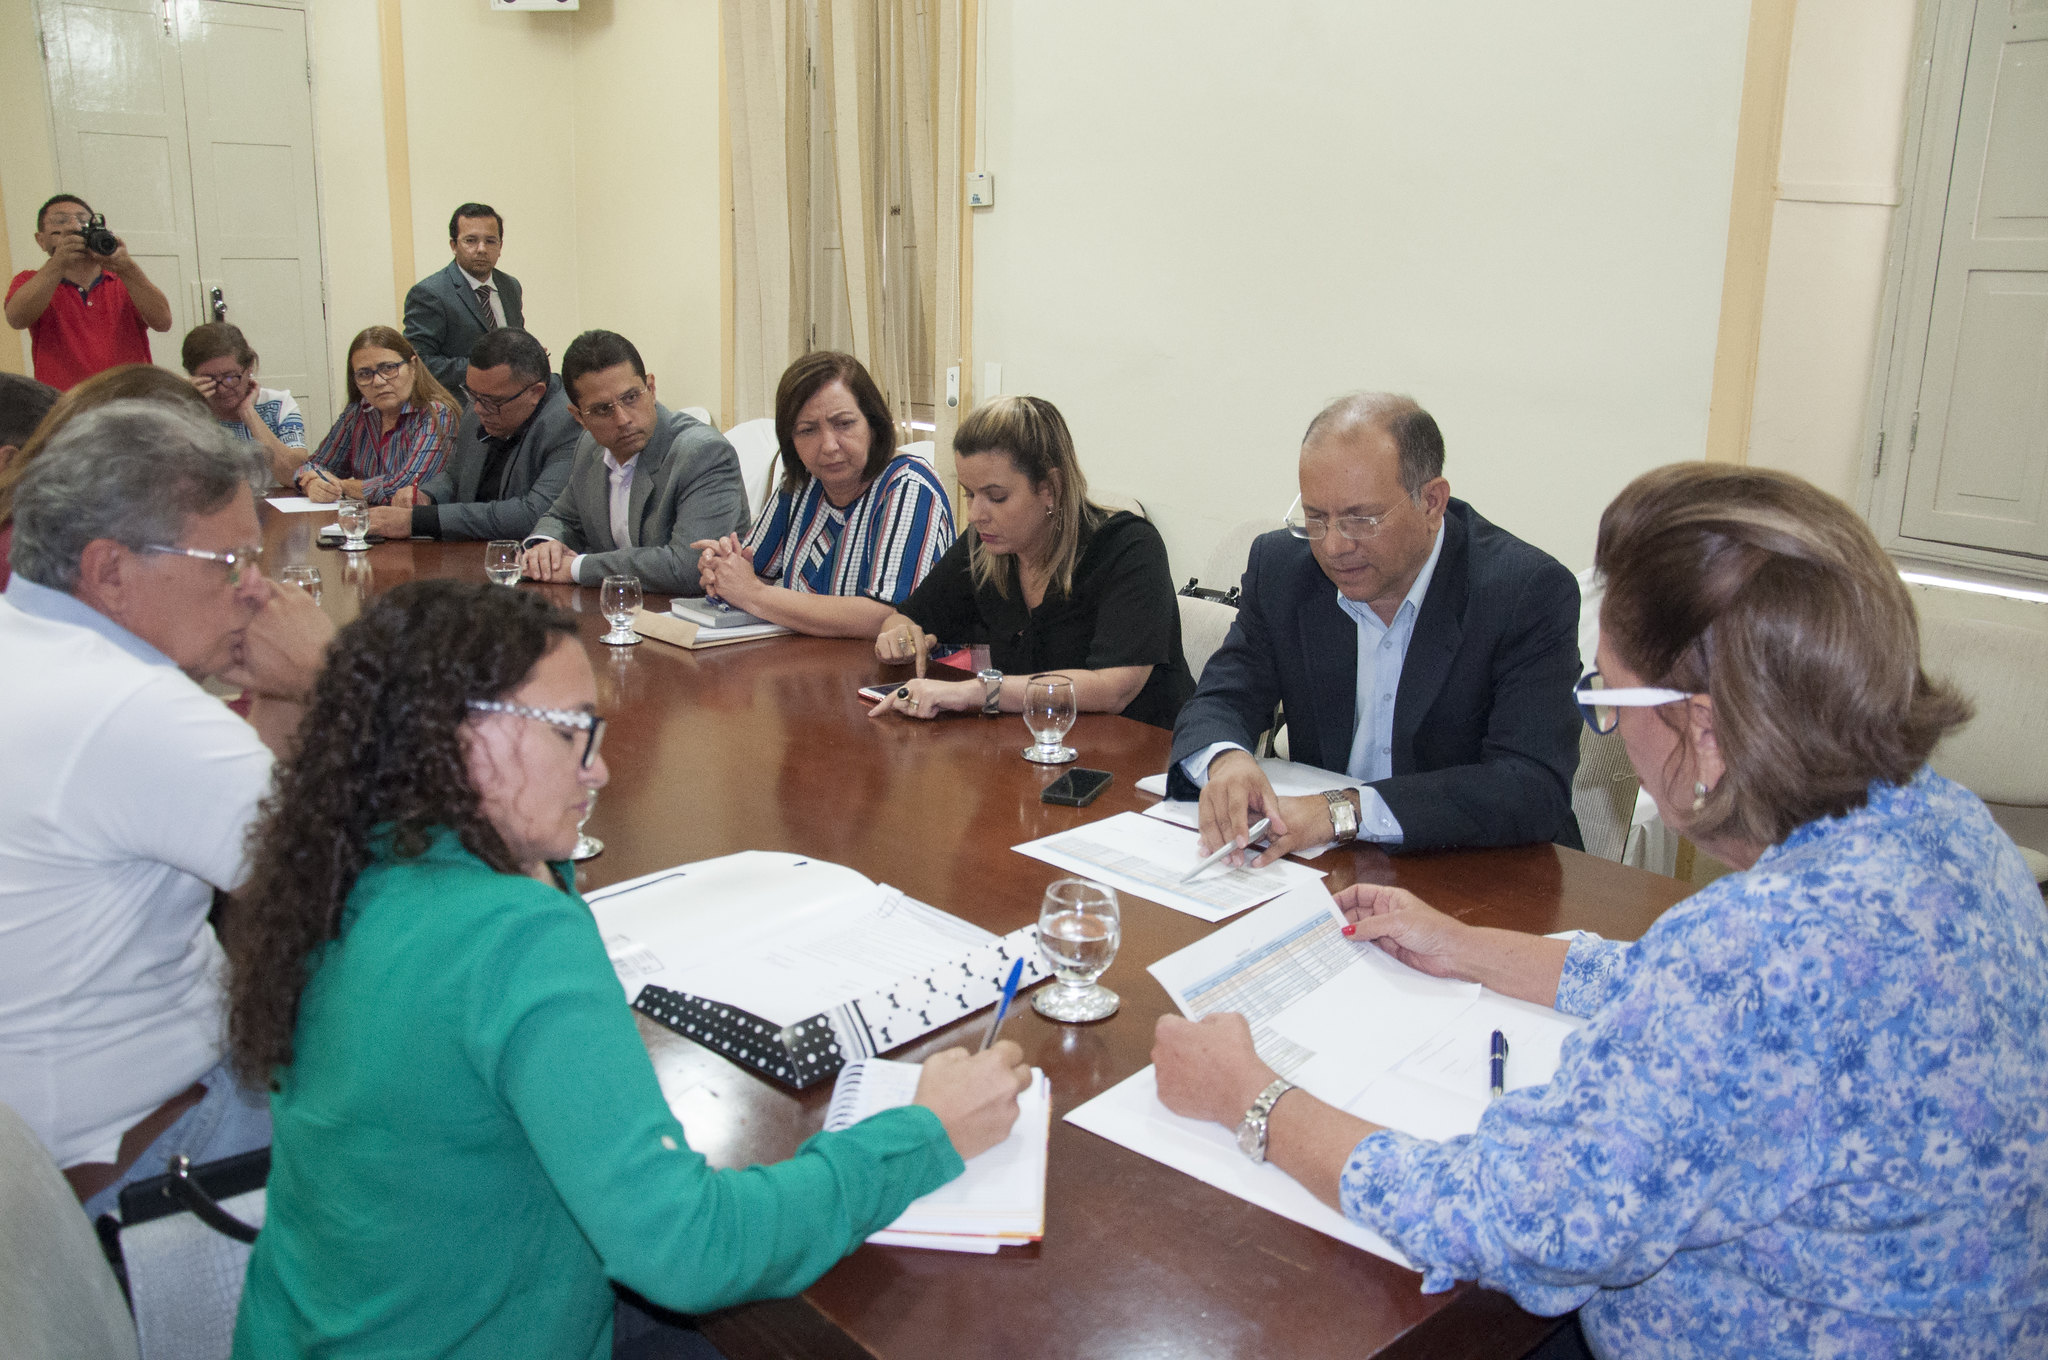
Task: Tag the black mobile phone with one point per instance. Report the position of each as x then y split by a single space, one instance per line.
1076 788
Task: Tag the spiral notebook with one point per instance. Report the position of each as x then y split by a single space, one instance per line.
999 1201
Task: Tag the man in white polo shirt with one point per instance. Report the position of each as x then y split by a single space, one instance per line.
130 789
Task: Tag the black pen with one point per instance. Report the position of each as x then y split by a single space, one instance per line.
1499 1051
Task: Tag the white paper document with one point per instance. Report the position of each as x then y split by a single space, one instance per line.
297 505
1346 1022
1146 858
1289 779
779 936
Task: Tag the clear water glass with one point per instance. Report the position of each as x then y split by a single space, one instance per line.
501 561
305 578
1049 714
587 845
619 598
1078 931
354 518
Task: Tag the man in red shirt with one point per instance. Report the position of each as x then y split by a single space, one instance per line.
83 312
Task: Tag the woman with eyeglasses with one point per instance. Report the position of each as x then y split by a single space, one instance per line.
1807 1113
470 1146
395 432
223 370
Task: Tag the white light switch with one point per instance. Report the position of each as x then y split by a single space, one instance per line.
981 189
953 386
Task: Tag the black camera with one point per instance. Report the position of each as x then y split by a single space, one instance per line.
97 238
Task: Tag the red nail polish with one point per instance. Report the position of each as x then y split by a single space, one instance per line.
1350 929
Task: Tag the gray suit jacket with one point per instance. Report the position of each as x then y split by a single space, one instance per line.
535 474
686 486
443 320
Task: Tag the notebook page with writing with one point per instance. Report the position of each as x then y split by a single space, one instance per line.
998 1200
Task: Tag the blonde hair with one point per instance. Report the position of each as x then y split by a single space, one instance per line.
1031 431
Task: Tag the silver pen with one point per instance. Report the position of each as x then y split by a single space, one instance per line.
1252 833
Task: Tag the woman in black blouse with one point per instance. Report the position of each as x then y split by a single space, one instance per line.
1050 581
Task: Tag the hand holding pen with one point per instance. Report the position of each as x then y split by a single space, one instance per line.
1251 836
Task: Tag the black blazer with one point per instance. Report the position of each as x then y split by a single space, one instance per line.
1486 732
443 320
535 473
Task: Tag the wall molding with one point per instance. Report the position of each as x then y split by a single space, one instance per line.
397 149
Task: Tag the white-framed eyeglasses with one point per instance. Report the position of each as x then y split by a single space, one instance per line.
569 719
1314 528
1601 707
234 559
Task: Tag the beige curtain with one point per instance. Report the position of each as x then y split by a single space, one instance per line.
847 195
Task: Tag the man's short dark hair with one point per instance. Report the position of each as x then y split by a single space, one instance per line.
595 350
55 199
527 357
474 210
23 404
1413 430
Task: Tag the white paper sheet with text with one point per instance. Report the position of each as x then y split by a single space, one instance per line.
1146 858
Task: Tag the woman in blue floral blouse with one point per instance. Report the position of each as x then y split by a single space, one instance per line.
1808 1113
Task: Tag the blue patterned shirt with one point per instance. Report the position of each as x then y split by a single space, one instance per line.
276 408
1808 1115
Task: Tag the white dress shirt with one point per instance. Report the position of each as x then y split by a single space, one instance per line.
1382 652
490 281
619 477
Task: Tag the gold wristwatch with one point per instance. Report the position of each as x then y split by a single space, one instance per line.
1343 816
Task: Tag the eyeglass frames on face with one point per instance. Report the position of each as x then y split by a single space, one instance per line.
605 410
384 372
234 559
1314 528
568 719
490 406
1601 707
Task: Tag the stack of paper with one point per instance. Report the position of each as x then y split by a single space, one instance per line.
999 1201
1150 859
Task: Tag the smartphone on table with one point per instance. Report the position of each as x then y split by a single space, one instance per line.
1076 788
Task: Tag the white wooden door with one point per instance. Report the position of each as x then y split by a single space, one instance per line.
117 105
1978 470
249 113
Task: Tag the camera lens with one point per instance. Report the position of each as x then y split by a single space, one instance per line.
98 239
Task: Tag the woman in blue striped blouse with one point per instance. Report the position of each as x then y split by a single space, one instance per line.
1808 1112
854 525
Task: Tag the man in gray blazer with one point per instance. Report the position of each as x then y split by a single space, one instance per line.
512 454
647 483
451 309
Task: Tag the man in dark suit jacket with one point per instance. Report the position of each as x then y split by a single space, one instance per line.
1414 646
451 309
647 481
512 453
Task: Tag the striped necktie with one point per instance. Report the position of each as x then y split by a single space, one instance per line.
483 296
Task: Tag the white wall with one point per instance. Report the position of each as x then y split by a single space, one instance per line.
1211 217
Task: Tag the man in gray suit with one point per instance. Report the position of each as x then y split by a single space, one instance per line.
512 454
648 482
448 311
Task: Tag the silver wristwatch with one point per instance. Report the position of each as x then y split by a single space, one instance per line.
1343 816
1251 1133
991 692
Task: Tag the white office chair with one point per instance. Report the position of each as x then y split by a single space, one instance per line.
1203 626
923 448
754 441
697 413
1109 498
1996 652
58 1296
1224 567
1604 794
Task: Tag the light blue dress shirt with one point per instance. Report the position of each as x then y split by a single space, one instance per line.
1382 652
54 606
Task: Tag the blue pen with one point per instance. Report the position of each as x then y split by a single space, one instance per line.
1003 1009
1499 1064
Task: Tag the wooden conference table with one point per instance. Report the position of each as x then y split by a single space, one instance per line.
765 745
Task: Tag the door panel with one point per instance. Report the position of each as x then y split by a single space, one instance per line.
1979 464
248 110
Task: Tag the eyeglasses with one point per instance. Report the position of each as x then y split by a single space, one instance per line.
234 559
1314 528
605 410
365 376
490 406
1601 707
235 379
588 723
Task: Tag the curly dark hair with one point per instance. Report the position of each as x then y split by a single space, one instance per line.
385 754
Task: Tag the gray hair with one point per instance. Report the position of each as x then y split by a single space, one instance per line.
1413 430
131 471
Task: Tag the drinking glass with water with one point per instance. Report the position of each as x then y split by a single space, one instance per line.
1078 930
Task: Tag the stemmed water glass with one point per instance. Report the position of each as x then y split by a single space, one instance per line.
620 600
354 518
1078 930
501 561
305 578
587 845
1049 713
